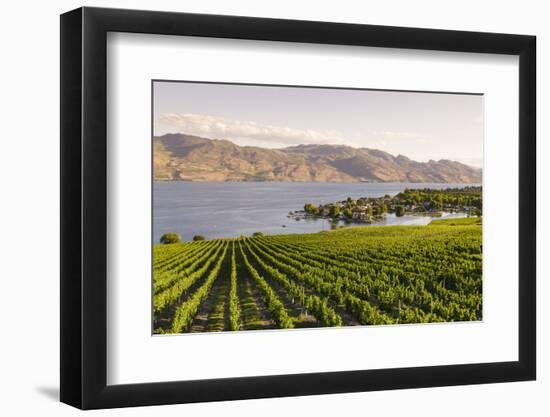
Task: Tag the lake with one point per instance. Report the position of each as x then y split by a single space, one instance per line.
232 209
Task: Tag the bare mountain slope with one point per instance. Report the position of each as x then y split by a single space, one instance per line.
185 157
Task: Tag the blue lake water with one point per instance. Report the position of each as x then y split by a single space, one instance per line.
232 209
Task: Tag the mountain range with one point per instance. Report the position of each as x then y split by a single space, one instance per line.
191 158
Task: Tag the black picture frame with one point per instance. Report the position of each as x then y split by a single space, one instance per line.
84 207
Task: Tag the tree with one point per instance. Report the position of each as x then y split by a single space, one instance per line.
196 238
439 202
168 238
369 211
311 209
334 211
399 211
347 213
257 234
383 209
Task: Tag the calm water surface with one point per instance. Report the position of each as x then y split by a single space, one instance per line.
232 209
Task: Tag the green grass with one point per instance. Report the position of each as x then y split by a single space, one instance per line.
216 318
465 221
252 319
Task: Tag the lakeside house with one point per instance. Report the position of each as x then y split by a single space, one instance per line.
359 213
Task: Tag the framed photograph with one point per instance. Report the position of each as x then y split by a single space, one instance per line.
257 208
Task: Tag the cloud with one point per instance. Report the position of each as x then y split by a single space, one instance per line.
222 128
420 147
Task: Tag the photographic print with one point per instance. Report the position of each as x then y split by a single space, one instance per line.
290 207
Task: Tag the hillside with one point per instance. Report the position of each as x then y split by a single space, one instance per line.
191 158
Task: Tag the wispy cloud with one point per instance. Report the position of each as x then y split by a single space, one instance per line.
250 133
238 130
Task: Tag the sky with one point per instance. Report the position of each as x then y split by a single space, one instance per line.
421 126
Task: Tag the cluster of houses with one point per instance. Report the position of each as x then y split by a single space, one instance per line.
361 210
371 209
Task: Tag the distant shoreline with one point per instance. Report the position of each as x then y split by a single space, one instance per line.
216 209
436 221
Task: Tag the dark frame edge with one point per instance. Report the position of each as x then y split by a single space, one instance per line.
70 221
278 386
528 206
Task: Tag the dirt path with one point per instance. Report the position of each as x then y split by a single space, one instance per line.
302 317
217 317
163 319
208 309
347 318
254 314
210 317
227 325
254 311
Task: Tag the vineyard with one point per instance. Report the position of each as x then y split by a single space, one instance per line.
348 277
